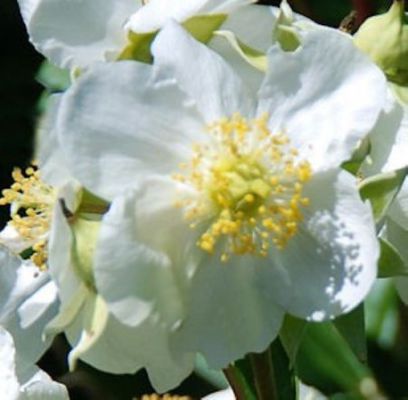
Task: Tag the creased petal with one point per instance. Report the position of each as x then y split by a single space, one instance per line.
119 124
218 92
140 241
326 95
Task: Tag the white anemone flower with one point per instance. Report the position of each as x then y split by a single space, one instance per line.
228 210
22 381
75 34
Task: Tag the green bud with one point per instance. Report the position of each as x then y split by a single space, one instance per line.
384 38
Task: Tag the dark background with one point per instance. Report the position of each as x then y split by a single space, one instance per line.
19 94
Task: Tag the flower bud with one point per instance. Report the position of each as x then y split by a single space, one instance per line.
385 39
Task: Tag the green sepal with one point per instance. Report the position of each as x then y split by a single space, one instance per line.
53 78
92 204
381 190
363 150
390 263
252 56
202 27
138 47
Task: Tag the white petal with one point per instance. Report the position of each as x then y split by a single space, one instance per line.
9 387
386 151
156 13
253 26
53 167
119 124
202 73
397 157
233 309
77 33
121 349
10 238
332 260
226 394
146 242
27 302
314 94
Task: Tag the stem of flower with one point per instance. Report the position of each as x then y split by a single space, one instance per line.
264 375
236 382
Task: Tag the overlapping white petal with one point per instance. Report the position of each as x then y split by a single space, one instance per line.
28 300
96 336
77 33
156 13
21 381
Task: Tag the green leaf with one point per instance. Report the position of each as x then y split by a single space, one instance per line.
202 27
352 328
326 361
390 262
381 308
291 335
252 56
381 190
284 373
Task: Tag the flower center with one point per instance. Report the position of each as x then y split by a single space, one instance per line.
31 202
248 185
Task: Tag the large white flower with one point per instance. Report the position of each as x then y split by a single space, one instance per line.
227 210
75 34
22 381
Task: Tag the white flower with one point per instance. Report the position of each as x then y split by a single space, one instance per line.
75 34
22 381
227 210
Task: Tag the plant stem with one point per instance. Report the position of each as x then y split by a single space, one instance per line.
264 375
235 381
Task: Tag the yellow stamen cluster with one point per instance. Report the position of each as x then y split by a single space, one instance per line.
31 202
249 187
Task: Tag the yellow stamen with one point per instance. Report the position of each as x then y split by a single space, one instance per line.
31 202
249 185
